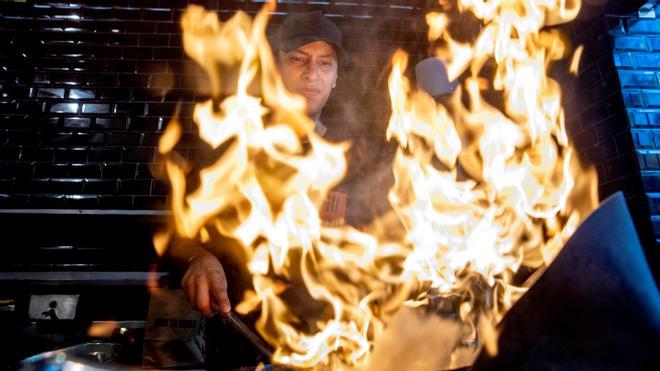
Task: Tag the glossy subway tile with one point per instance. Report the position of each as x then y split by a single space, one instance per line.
88 87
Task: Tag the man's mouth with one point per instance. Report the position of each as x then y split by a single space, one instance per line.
309 92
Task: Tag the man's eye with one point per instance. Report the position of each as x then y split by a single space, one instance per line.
296 59
327 64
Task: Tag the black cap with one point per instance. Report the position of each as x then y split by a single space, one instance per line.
304 28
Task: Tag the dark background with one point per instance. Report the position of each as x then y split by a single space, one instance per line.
87 87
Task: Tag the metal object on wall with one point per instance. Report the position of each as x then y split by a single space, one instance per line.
53 307
431 76
595 307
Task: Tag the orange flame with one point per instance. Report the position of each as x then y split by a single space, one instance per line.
479 191
520 201
265 190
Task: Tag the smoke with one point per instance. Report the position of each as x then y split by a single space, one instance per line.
359 109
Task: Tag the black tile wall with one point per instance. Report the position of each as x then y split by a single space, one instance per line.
86 88
596 113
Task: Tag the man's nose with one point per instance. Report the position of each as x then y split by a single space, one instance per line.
311 72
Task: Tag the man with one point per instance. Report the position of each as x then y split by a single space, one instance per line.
309 53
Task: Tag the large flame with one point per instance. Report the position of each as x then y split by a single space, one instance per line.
483 190
480 190
265 190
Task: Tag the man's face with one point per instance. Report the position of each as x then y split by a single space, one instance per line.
311 71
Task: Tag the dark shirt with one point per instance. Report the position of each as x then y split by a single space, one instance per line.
368 176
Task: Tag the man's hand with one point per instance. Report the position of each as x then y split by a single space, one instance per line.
205 285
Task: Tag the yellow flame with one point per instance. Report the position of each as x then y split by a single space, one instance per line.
102 329
575 62
519 202
170 137
265 190
480 188
161 240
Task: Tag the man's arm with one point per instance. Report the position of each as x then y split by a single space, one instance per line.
204 282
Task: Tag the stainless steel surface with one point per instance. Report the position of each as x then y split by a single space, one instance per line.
87 212
86 356
7 305
125 278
